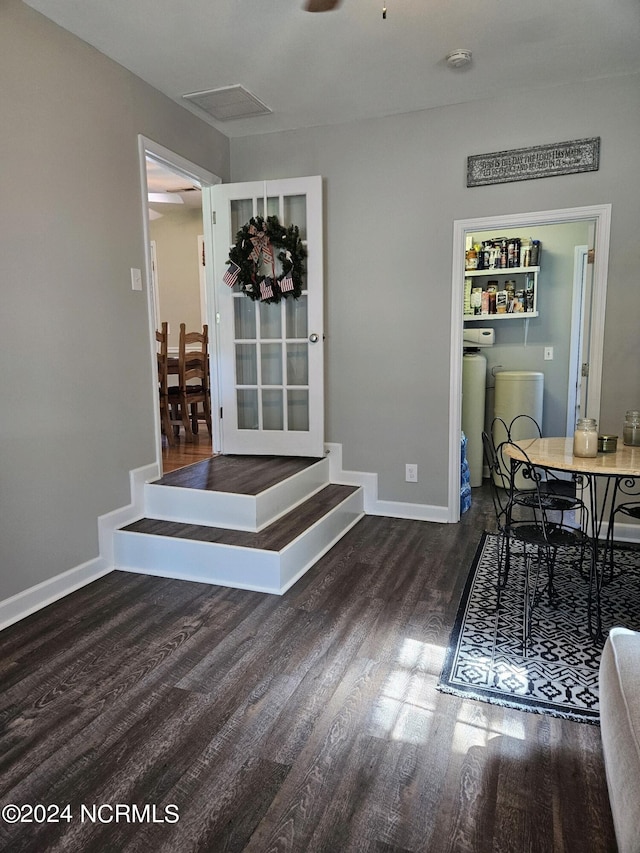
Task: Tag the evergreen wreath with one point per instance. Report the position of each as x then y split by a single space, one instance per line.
258 243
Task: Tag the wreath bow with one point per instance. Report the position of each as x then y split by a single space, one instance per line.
261 245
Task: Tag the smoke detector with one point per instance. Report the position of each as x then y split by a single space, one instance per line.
459 58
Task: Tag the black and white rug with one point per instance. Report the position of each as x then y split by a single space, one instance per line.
559 673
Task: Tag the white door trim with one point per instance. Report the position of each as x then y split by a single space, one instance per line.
577 349
602 216
205 178
155 291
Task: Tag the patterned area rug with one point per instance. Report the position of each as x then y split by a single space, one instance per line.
559 673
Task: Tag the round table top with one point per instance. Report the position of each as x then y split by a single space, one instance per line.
557 453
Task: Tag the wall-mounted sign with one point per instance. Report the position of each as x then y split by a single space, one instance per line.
540 161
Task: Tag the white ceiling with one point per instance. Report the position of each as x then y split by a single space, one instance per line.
161 179
350 64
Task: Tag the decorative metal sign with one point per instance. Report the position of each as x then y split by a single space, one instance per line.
540 161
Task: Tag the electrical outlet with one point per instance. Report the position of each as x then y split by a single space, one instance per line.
548 353
411 473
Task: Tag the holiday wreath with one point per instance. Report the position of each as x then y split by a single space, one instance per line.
252 261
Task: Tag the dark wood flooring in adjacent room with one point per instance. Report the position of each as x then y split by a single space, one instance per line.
307 722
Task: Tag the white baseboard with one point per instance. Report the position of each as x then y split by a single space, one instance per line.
372 504
112 521
24 603
625 532
36 597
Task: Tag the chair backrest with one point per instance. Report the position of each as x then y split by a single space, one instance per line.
506 451
523 426
519 428
162 353
498 479
193 357
548 510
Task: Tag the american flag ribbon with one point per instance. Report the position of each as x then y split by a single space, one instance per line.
266 289
267 252
286 283
261 246
231 275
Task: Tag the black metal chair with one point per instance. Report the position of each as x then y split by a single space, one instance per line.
558 495
550 483
499 486
510 504
627 491
540 521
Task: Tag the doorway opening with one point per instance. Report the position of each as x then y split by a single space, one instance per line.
596 221
178 243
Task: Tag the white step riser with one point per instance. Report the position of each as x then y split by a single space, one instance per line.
242 568
301 554
232 511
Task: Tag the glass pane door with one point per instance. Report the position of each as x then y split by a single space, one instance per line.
276 374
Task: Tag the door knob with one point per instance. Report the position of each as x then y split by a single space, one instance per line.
314 338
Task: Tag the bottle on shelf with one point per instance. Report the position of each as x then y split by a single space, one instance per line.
536 248
471 259
513 291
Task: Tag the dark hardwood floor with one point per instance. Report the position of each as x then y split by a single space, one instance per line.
244 475
307 722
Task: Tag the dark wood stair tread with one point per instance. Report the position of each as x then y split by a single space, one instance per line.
273 538
244 475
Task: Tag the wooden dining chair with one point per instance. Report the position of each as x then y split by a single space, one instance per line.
193 381
168 396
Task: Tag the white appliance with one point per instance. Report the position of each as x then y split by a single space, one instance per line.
479 337
474 381
518 392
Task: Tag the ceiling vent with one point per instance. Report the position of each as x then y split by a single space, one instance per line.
227 103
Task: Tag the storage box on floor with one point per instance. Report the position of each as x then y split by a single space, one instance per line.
465 477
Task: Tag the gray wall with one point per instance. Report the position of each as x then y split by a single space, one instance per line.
393 188
178 272
76 379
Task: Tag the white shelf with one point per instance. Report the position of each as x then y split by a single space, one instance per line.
519 315
500 271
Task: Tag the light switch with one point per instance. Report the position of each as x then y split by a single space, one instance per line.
136 279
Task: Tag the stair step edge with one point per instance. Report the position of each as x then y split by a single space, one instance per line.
273 537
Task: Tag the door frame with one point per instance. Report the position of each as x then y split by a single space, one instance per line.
601 214
189 169
577 349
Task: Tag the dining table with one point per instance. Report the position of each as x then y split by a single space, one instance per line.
599 477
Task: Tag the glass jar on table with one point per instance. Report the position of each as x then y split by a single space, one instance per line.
585 438
631 428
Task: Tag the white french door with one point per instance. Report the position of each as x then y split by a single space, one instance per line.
270 363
